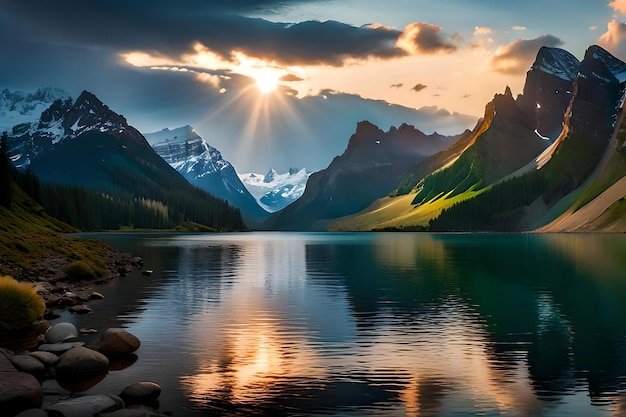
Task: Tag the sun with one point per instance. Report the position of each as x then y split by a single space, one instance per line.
266 83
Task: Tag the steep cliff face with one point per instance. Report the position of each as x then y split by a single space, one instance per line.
548 90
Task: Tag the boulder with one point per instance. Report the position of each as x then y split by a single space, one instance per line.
80 309
28 364
19 391
5 363
96 296
140 392
135 411
61 332
88 405
47 358
33 412
81 360
59 348
117 342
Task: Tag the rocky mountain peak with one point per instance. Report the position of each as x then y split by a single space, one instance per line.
556 61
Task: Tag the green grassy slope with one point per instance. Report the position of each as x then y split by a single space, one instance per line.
28 235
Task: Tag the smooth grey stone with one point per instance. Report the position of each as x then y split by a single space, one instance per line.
85 406
59 347
49 359
28 364
134 411
33 412
61 332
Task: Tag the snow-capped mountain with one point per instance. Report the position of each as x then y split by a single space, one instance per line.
203 166
62 120
275 191
17 107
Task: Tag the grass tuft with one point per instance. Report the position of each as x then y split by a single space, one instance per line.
20 305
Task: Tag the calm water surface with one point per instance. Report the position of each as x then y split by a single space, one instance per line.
373 324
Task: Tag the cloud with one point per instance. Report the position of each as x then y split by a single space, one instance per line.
418 87
398 85
614 39
169 30
518 56
482 30
519 28
289 78
619 6
424 38
594 27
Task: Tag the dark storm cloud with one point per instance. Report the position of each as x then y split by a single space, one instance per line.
518 56
159 28
418 87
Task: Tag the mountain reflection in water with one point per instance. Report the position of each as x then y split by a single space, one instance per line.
377 324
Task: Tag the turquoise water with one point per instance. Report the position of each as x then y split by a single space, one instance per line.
373 324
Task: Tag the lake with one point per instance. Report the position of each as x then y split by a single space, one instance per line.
372 324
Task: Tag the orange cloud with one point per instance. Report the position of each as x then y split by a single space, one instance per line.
482 30
518 56
614 39
618 6
424 38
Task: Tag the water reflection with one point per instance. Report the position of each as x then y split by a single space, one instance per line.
389 324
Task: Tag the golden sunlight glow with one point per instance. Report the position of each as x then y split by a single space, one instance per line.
266 83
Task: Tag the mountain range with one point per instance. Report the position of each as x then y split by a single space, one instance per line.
554 154
275 191
83 144
551 159
203 166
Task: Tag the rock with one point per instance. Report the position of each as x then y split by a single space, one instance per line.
87 331
80 383
49 359
140 392
59 348
81 360
117 342
80 309
137 262
19 391
5 363
135 411
61 332
96 296
28 364
85 406
7 353
33 412
148 272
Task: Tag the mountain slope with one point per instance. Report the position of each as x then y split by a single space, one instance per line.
274 191
17 107
84 143
579 179
503 141
203 166
370 168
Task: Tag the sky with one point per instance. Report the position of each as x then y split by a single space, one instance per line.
276 83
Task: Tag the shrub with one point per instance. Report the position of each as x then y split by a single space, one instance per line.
80 270
20 305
